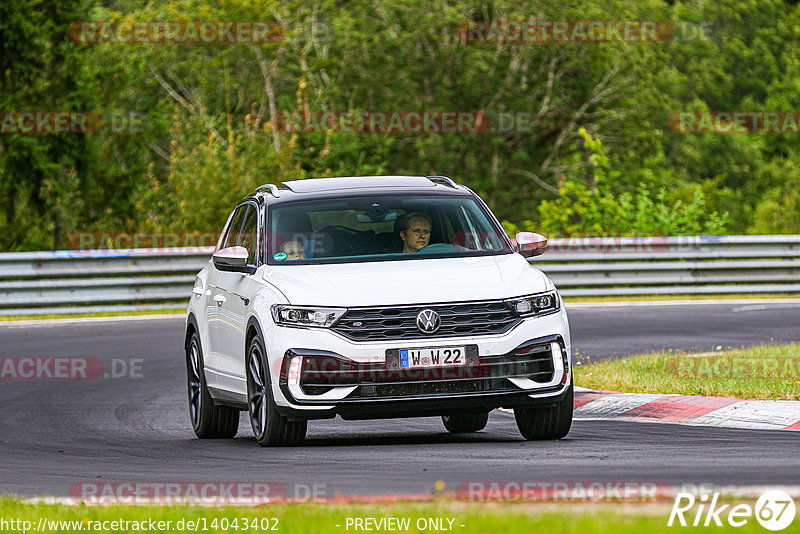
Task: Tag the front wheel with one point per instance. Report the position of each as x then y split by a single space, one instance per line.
462 423
546 422
269 426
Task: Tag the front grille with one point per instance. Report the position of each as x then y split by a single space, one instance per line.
400 322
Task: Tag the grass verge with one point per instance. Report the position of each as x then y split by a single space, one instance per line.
586 518
763 372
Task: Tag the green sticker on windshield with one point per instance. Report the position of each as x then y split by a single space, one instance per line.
280 256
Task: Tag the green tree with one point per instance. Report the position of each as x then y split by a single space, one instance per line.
43 178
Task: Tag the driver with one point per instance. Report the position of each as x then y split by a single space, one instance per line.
415 231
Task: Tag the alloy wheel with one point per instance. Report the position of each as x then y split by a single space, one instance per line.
257 391
195 393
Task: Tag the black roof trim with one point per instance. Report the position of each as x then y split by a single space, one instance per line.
272 188
444 180
310 188
314 185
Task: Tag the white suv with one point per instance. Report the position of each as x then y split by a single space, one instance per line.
374 297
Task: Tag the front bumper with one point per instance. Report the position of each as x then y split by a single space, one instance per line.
521 367
430 406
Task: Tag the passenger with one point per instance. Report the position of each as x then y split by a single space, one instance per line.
294 250
415 231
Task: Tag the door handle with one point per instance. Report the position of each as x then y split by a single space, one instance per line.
219 299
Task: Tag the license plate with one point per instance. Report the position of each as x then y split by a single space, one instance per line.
432 357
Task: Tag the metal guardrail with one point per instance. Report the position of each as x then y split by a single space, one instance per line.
673 265
107 280
33 283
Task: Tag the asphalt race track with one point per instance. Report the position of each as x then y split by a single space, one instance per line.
57 433
600 332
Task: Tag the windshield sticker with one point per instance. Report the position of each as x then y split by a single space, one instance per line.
280 256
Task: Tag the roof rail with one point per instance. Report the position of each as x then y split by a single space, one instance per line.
444 180
285 186
272 188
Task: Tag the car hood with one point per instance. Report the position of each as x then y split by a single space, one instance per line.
408 282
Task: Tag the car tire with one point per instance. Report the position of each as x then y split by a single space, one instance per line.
208 421
546 422
462 423
270 428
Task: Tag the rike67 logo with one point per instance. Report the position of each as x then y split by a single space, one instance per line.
774 510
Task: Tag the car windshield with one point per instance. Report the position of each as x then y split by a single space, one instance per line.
379 228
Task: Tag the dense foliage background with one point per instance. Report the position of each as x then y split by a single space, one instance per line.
192 127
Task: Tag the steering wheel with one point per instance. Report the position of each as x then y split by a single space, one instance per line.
442 247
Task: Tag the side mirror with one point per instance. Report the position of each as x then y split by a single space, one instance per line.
233 259
530 244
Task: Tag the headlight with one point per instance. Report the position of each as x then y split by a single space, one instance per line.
305 316
539 304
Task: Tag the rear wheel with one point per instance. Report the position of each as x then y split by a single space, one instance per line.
269 426
208 421
546 422
461 423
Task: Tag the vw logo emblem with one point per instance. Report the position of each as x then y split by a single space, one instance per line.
428 321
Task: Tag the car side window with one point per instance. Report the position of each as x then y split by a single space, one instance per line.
247 234
228 237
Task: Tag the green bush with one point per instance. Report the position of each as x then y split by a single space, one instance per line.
582 210
778 212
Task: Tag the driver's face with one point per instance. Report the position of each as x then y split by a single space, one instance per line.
417 236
